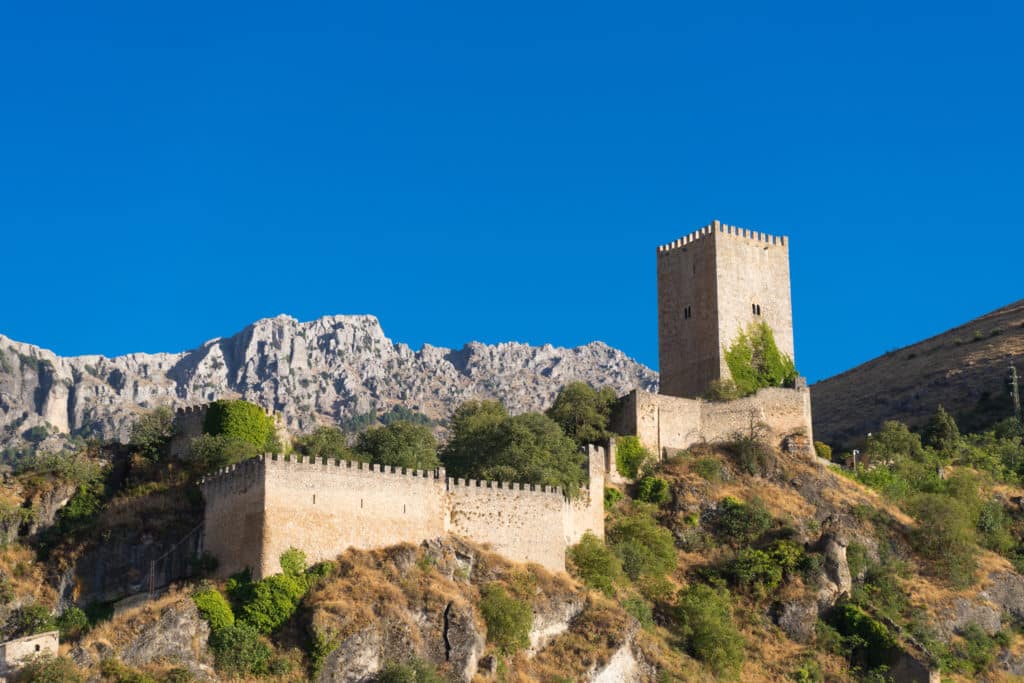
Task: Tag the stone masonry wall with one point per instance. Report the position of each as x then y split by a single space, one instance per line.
713 284
323 508
258 509
15 653
666 423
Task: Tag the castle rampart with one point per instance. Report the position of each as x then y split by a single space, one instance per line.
259 508
666 424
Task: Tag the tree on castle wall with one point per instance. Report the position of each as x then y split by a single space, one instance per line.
755 361
152 432
400 444
583 412
326 442
242 420
487 443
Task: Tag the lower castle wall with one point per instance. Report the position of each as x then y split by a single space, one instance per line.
522 525
234 519
666 423
257 510
322 509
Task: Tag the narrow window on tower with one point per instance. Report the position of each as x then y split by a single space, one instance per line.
756 309
687 313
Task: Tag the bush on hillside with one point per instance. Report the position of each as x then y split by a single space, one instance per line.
214 608
400 444
244 421
752 455
508 620
945 537
595 563
50 669
823 450
653 490
941 433
208 453
740 524
631 456
152 432
72 623
238 650
644 547
704 618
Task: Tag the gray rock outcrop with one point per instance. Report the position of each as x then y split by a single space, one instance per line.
323 370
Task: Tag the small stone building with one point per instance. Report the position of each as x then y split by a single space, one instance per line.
14 653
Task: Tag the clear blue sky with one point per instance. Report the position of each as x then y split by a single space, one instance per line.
493 172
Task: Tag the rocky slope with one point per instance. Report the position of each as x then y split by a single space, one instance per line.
324 370
964 369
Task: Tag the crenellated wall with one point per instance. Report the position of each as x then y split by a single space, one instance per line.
665 424
258 509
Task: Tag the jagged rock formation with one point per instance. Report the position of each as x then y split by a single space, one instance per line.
319 371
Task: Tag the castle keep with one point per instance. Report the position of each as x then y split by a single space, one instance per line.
712 285
259 508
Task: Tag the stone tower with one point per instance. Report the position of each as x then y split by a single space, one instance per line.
712 284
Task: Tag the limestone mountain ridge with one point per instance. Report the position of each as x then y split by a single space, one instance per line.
322 371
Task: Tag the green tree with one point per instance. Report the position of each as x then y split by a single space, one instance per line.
894 443
653 490
324 442
755 361
595 563
630 456
644 547
208 453
705 624
583 412
400 444
740 524
508 620
239 650
241 420
531 448
152 432
941 432
214 608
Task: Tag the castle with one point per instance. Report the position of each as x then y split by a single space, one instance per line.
711 285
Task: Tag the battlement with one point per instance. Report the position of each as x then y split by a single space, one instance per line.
718 228
200 409
484 485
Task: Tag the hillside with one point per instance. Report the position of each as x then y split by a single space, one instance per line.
964 369
325 370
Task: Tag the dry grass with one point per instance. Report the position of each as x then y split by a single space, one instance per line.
26 576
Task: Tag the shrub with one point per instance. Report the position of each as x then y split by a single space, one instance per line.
238 650
945 537
508 620
72 623
214 607
823 450
400 444
941 432
653 490
241 420
708 468
752 455
977 653
414 671
30 619
640 610
739 523
869 639
273 601
208 453
856 558
755 571
611 497
755 361
630 456
645 548
293 562
705 623
595 564
50 669
722 390
152 432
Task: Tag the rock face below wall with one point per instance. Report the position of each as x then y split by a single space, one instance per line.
324 370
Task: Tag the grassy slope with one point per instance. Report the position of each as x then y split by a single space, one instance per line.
956 368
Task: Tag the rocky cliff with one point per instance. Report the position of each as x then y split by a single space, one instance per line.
319 371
